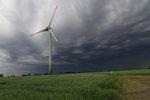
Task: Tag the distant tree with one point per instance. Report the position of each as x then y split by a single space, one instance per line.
148 66
1 75
24 75
45 74
36 74
29 75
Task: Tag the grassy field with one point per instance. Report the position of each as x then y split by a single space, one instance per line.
82 86
60 87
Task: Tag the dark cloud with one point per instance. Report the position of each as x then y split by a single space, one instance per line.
97 34
123 42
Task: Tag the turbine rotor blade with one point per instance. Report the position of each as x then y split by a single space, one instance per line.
44 30
54 36
53 16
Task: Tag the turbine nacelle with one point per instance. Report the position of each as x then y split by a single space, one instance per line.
49 28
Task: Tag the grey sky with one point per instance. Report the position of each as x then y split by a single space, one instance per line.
91 32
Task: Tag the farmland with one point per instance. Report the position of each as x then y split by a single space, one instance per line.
80 86
60 87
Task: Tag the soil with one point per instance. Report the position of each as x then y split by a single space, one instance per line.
136 87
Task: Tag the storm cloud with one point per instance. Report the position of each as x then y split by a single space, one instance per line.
93 34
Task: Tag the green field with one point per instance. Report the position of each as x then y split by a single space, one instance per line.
130 72
82 86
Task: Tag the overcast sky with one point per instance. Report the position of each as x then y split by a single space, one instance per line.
92 33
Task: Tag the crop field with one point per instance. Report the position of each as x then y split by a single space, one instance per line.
81 86
60 87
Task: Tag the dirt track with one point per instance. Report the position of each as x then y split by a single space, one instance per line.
136 87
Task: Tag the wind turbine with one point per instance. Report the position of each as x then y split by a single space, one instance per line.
51 36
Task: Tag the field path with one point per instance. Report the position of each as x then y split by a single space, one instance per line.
136 87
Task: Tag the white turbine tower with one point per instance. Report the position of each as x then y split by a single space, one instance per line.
51 35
